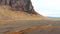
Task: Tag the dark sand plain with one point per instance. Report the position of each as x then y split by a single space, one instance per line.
30 26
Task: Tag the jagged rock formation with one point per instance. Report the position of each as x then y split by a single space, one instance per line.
22 5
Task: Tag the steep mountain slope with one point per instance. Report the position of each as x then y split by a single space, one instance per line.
6 13
17 10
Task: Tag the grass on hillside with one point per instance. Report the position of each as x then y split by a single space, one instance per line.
6 12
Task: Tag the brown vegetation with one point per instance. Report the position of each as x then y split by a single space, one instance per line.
6 13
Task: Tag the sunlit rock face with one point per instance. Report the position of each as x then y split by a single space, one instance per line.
22 5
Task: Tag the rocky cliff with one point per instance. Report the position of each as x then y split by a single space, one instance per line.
22 5
17 9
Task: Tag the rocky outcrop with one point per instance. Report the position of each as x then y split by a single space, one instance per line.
19 5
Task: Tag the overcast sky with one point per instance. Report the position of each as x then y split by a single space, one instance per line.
47 7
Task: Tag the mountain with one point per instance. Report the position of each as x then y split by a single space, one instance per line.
17 9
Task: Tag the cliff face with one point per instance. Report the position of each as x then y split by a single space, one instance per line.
17 9
19 5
